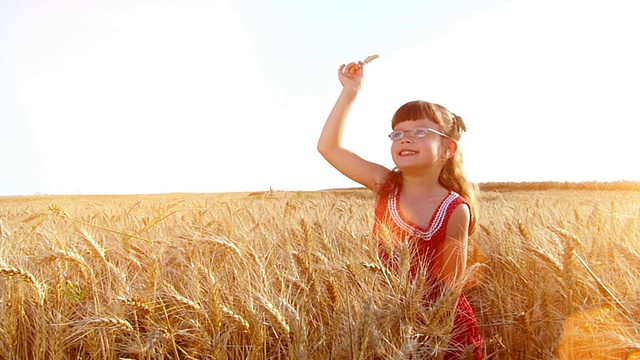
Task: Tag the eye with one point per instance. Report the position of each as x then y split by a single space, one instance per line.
396 135
419 132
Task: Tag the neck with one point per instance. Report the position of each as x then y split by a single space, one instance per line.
425 183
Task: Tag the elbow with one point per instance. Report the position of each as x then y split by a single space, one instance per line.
327 148
322 148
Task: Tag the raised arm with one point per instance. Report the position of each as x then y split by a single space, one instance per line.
330 143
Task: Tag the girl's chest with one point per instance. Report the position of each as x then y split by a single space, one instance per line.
417 212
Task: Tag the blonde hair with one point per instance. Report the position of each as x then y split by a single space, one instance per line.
452 176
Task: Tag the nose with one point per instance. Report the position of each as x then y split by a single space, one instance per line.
406 139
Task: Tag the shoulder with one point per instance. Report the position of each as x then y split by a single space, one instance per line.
461 214
383 194
460 217
388 185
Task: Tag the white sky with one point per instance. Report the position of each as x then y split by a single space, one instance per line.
141 96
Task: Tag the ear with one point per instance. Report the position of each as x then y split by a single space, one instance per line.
451 148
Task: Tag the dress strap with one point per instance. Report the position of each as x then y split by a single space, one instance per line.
441 213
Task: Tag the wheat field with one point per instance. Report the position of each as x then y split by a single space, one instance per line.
275 275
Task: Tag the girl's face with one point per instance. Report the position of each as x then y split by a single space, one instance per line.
418 153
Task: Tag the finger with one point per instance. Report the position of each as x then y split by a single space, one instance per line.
341 68
354 69
351 67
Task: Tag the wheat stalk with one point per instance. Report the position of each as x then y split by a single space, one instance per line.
224 243
568 274
603 288
24 275
111 323
630 254
362 331
320 295
136 304
546 258
239 319
279 322
370 58
59 211
96 248
70 256
306 273
185 302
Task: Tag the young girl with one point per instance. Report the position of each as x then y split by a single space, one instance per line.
424 201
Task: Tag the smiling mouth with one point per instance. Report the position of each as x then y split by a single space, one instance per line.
407 152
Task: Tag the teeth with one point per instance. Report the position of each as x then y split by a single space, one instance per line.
407 152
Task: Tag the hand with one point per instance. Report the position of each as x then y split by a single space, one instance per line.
351 76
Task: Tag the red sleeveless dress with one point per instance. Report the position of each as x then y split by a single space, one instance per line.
423 242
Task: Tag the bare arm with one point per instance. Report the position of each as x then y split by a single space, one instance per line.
330 143
451 261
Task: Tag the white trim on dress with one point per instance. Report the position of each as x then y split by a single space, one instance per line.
436 224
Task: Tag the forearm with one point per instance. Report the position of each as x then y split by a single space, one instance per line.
331 136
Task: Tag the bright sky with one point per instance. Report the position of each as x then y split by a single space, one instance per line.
155 96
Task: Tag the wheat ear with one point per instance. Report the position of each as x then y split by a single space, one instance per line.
112 323
24 275
279 322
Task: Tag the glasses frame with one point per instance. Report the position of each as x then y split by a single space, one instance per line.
411 133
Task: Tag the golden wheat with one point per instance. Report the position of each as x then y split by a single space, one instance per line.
277 319
137 305
370 58
24 275
239 319
96 249
111 323
296 275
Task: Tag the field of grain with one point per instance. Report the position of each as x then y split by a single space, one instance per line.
552 274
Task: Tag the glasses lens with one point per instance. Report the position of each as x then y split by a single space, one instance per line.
396 135
419 132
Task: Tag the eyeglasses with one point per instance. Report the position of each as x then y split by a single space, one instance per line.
416 133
